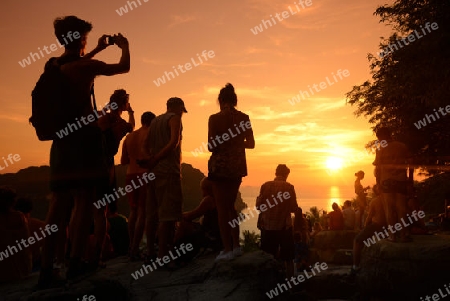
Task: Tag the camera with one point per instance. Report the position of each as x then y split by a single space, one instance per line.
110 40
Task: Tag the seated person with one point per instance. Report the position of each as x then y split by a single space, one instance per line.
207 233
349 216
336 219
301 240
25 206
15 263
107 249
317 228
118 230
375 221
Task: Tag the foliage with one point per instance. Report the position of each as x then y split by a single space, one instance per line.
411 81
314 216
251 241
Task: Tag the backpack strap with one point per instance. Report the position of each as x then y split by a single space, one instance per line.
94 103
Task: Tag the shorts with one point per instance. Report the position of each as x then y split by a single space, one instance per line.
137 196
223 179
77 160
272 240
368 231
393 186
165 198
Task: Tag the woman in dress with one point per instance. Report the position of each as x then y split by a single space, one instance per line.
229 134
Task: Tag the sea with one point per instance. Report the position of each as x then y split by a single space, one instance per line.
305 204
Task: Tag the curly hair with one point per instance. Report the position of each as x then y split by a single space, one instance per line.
63 25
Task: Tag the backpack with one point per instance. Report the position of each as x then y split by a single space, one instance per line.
52 104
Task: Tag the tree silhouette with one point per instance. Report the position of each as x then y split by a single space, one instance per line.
412 81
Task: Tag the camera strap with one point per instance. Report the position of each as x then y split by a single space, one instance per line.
94 103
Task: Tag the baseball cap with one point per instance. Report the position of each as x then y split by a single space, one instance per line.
176 101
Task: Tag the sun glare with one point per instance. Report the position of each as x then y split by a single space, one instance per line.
334 163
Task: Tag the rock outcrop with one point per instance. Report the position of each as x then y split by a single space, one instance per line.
245 278
333 247
405 271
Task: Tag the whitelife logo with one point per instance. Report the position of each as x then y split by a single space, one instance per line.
297 280
11 250
166 259
129 188
167 75
284 15
398 227
411 38
86 120
282 196
322 85
27 61
423 123
225 137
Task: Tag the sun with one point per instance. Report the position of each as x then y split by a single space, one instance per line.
334 163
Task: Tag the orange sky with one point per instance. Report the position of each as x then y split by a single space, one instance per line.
266 69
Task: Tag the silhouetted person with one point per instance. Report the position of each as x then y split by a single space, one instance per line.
229 134
349 216
301 240
391 162
114 128
25 205
361 199
374 223
118 230
76 160
165 197
336 219
276 201
131 151
13 227
208 229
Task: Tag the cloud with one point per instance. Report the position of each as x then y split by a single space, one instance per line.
178 19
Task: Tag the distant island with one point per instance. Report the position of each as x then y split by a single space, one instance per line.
33 182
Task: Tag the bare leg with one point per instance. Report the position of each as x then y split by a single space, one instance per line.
289 268
222 211
401 207
151 220
225 195
59 209
166 231
389 211
99 232
141 218
82 218
131 227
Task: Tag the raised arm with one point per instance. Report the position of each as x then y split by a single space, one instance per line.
101 68
101 45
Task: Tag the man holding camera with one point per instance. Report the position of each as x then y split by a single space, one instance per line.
76 160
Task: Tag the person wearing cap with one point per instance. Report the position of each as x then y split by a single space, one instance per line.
360 199
275 221
229 134
165 198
